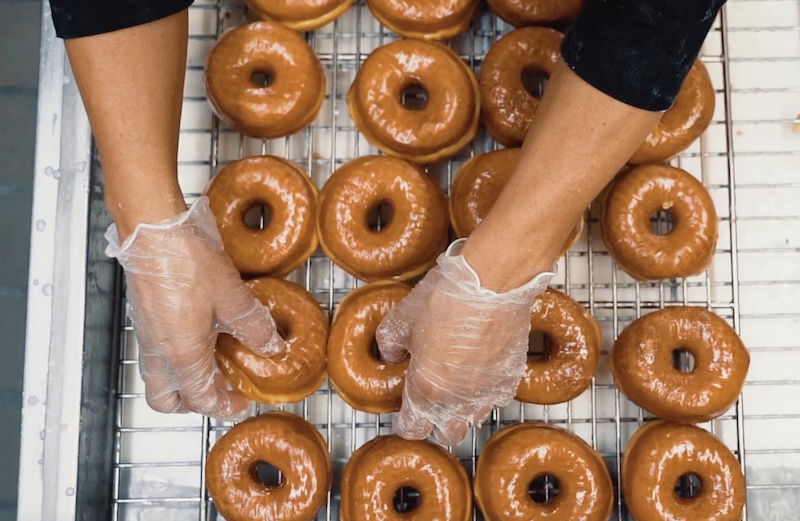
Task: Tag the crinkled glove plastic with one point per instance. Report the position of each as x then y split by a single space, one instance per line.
468 347
184 291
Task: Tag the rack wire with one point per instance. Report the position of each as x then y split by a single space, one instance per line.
745 159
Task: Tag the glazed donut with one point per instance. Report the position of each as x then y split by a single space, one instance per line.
296 372
535 12
287 103
625 214
641 363
661 452
688 117
288 238
515 456
447 122
572 355
384 465
507 106
477 185
288 443
364 381
410 241
300 15
423 19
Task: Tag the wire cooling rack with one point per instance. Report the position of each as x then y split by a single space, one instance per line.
748 159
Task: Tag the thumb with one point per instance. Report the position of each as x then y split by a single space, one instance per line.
249 321
394 333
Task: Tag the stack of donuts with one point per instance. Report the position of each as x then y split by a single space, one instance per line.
384 220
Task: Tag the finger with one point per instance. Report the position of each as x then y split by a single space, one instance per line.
160 397
217 401
394 333
246 319
411 426
450 432
481 415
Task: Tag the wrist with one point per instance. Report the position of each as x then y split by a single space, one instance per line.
130 209
500 270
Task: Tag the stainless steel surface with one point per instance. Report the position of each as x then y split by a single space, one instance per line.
748 159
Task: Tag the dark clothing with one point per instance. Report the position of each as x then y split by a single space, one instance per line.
637 51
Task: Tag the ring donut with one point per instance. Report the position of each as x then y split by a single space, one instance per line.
386 464
425 19
535 12
447 122
290 235
364 381
515 456
299 369
625 214
287 103
642 364
300 15
572 354
507 106
288 443
660 453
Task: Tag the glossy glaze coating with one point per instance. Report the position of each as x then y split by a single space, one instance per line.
659 453
516 455
688 117
477 185
385 464
446 124
507 107
300 15
641 362
288 104
573 351
283 440
299 370
362 380
535 12
633 197
290 235
408 244
424 19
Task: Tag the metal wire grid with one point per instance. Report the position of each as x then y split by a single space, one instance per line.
159 462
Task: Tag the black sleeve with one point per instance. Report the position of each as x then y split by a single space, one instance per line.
638 51
76 18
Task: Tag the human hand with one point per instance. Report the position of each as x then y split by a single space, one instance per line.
468 346
184 291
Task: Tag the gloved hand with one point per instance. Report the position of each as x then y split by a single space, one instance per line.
184 291
468 347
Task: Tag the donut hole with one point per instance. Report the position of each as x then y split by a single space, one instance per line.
257 216
661 222
379 216
375 352
267 474
688 485
414 96
683 360
405 500
543 488
539 346
534 81
262 78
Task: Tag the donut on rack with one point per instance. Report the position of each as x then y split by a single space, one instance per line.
288 443
289 235
300 15
446 120
572 351
477 185
507 106
625 215
264 80
359 376
659 454
535 12
404 247
299 369
425 19
682 123
516 457
642 364
380 468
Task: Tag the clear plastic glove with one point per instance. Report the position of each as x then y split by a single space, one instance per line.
468 347
184 291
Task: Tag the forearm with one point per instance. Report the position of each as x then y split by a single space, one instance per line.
131 82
